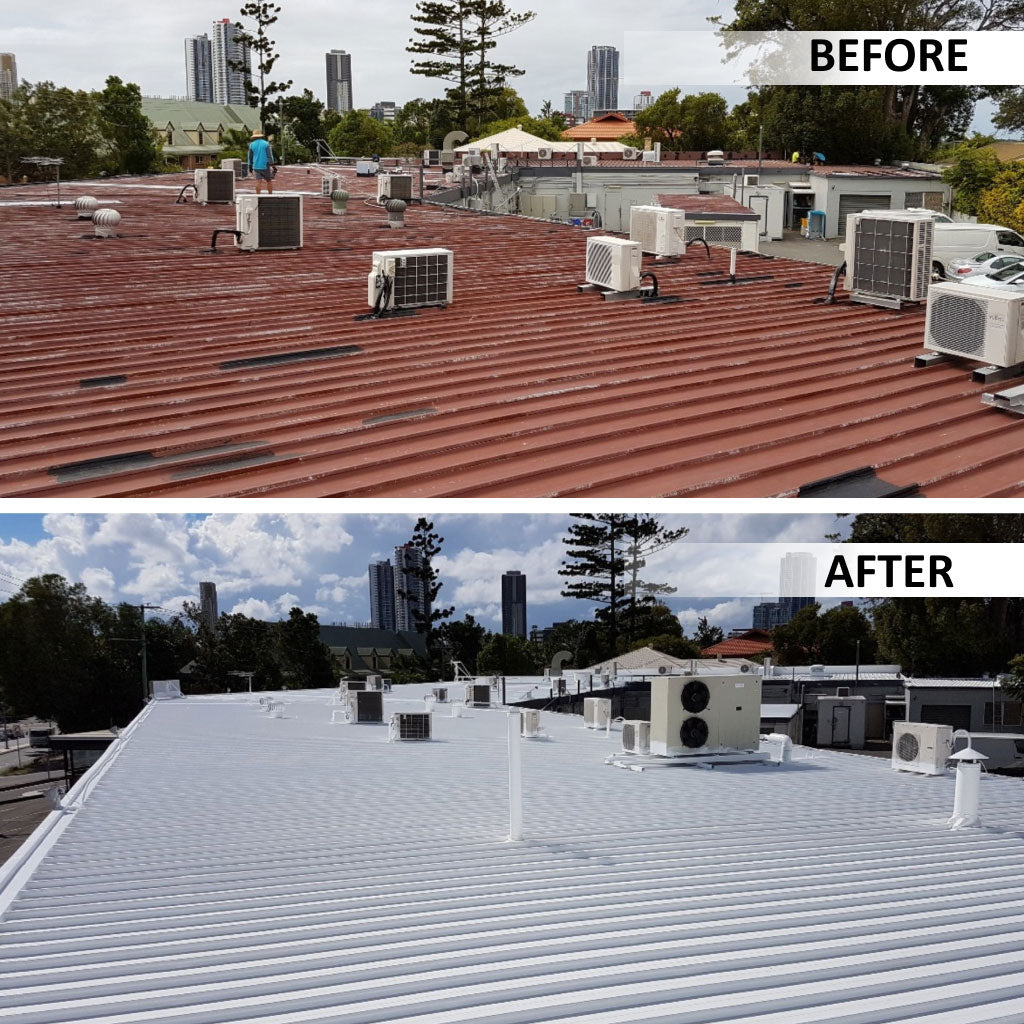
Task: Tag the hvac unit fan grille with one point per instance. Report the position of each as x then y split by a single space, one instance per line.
958 323
884 257
370 706
628 736
413 726
694 733
279 223
908 747
400 186
220 186
643 228
717 234
599 264
695 696
481 694
421 280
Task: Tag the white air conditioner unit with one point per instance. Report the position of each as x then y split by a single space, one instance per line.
410 725
472 158
921 747
394 186
478 695
530 723
636 737
663 670
613 263
366 168
985 324
597 712
366 706
329 184
232 164
545 152
889 254
440 694
590 160
374 682
658 229
431 157
269 221
648 156
629 153
408 278
215 186
716 157
750 180
706 714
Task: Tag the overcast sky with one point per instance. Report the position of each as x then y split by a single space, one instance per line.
79 44
265 564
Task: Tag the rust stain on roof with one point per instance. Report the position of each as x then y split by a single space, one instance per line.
147 366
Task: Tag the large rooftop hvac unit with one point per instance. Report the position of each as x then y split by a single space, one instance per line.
659 230
597 712
889 255
975 322
478 695
697 715
215 186
921 747
406 278
410 725
613 263
269 221
366 705
636 737
394 186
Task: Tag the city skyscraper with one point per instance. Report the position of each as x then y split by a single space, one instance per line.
382 595
8 75
199 69
577 105
796 582
603 78
229 85
208 604
513 603
339 81
642 100
410 591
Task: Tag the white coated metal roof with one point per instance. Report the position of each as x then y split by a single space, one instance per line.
228 866
952 684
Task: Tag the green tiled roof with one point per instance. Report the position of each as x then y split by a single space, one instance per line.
162 112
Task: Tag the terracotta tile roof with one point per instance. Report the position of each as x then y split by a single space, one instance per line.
607 126
738 647
145 366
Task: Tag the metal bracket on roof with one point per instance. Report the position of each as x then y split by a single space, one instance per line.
1008 400
994 374
931 359
885 301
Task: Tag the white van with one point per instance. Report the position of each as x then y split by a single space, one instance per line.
964 241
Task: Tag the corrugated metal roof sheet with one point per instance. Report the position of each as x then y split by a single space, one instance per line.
233 867
145 366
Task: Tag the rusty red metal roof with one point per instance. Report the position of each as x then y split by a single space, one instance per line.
145 366
708 205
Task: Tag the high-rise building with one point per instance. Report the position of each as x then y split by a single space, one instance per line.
642 100
199 69
382 595
767 615
228 84
208 604
513 603
410 591
8 75
339 81
796 582
603 78
384 110
577 105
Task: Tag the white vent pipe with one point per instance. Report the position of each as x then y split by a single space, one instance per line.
515 776
967 795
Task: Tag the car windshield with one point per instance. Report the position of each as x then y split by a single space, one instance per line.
1008 273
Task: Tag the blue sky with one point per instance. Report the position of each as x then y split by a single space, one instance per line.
263 564
79 44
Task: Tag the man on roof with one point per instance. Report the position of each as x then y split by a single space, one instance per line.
261 162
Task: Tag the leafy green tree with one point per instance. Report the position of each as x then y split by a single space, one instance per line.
671 644
1003 201
132 147
358 134
408 668
829 638
974 170
697 122
706 635
647 619
304 116
462 639
427 544
423 123
506 655
170 645
645 536
583 640
260 92
306 662
542 129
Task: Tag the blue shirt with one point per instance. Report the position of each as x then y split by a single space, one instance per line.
261 156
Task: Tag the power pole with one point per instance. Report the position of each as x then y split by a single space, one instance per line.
143 608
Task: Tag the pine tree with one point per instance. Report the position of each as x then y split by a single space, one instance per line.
428 544
264 14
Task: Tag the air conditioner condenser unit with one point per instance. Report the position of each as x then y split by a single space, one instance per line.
613 263
410 725
394 186
366 706
478 695
329 184
269 221
530 723
706 714
597 712
636 737
409 278
658 230
921 747
983 324
889 254
215 186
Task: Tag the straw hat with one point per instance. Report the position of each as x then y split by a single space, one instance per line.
257 135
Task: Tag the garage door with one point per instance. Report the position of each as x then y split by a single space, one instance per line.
855 203
956 715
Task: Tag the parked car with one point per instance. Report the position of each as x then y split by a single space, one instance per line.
962 241
939 218
1008 277
982 263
